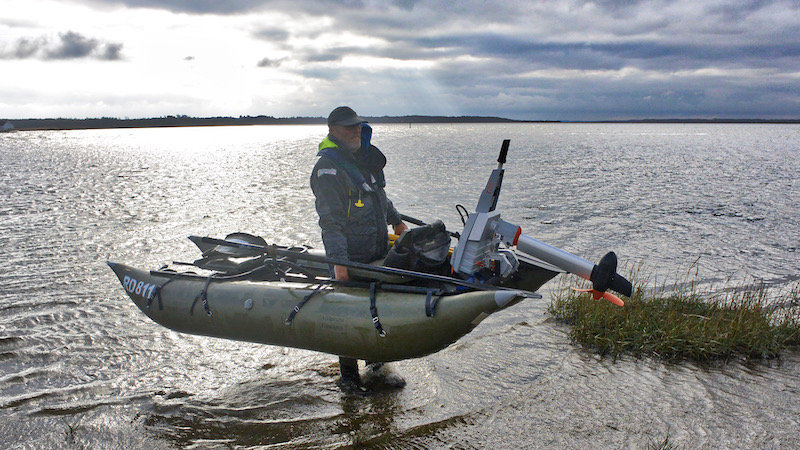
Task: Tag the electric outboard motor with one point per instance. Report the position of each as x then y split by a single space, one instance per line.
479 247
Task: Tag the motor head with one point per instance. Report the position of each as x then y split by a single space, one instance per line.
605 276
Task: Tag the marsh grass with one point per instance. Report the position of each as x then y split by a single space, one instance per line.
683 321
666 444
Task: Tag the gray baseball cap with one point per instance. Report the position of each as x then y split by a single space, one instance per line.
345 116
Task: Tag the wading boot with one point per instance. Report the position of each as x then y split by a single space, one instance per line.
381 373
350 382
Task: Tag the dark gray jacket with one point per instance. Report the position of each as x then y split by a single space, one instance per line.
353 210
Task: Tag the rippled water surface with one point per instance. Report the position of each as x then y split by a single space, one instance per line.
81 367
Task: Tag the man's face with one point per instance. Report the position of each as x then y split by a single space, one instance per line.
350 136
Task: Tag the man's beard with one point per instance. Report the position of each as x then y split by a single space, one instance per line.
352 146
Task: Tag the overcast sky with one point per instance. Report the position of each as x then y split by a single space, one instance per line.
539 60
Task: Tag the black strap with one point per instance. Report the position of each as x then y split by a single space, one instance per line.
430 302
275 265
296 309
374 310
203 295
157 294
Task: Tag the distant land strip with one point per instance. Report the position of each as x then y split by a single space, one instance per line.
186 121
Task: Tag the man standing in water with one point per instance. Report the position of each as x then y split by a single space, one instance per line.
354 212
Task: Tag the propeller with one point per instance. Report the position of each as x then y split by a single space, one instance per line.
597 295
604 277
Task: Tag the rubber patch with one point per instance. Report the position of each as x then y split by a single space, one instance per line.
479 319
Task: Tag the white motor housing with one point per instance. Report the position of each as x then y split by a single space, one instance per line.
479 247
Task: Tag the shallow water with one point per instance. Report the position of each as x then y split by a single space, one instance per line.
81 367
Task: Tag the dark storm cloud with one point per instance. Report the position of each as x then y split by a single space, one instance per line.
189 6
25 48
68 45
111 52
269 62
736 11
616 55
238 6
325 57
646 39
272 34
71 45
15 23
543 59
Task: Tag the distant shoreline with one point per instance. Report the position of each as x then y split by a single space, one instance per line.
186 121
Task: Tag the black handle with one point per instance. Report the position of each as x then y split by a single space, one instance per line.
411 220
503 151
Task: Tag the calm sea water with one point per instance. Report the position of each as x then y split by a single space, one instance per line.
81 367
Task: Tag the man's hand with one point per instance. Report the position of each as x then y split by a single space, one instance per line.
399 228
340 273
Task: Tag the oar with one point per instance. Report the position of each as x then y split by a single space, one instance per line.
276 251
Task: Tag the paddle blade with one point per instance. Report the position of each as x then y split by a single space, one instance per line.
606 295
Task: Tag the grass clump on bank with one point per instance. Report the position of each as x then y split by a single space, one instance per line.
684 323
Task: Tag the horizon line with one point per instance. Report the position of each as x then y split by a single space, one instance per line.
33 124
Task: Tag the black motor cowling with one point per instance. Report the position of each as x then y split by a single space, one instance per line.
605 276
